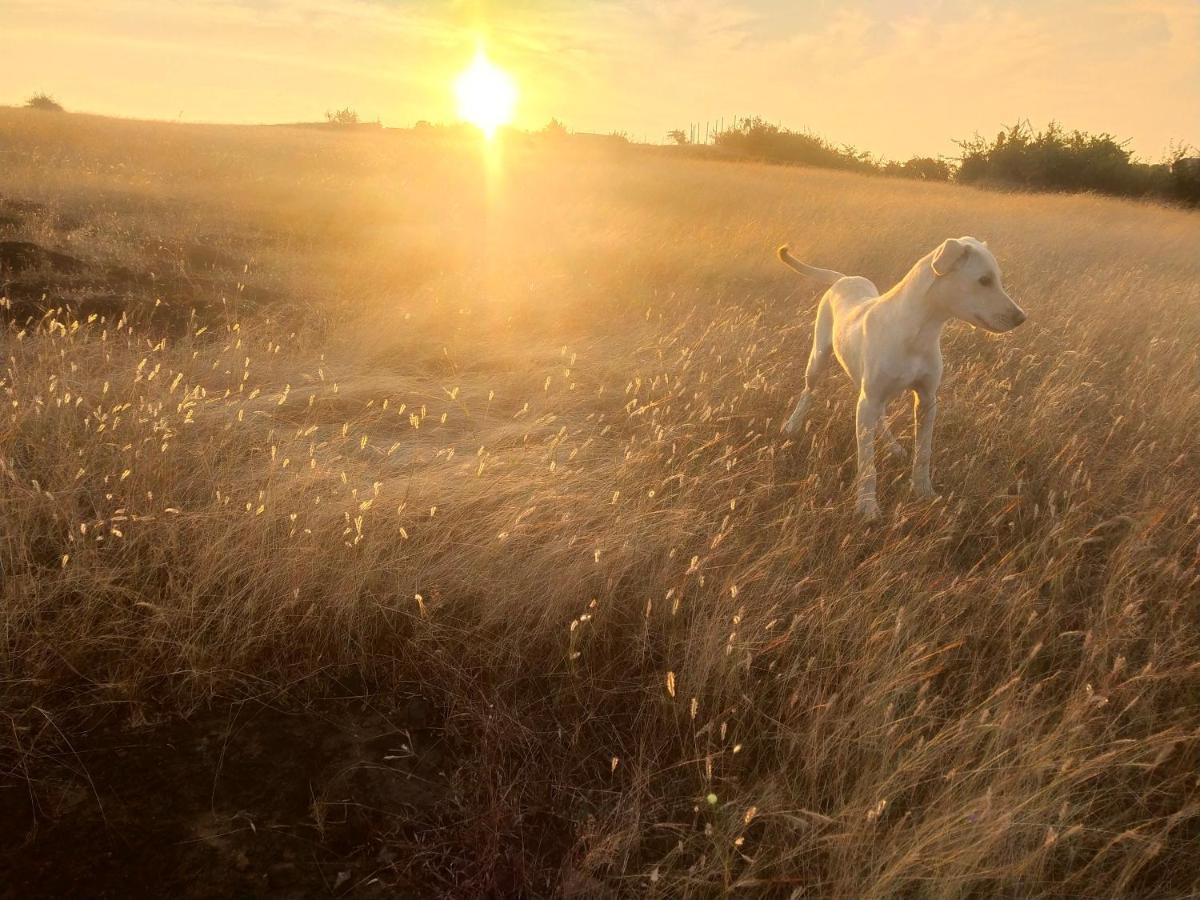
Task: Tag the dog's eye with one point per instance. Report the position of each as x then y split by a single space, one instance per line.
987 280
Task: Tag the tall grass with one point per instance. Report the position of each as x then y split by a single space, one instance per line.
518 442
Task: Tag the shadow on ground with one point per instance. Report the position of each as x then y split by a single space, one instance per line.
245 801
171 282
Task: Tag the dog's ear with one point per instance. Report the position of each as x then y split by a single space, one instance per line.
949 255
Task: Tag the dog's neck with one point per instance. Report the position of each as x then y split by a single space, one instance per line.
910 299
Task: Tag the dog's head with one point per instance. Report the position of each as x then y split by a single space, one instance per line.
967 285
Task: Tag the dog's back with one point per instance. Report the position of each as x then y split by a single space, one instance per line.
851 291
846 292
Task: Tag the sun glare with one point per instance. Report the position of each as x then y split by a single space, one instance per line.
486 95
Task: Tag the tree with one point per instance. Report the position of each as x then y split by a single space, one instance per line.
342 117
555 128
679 136
43 102
1052 159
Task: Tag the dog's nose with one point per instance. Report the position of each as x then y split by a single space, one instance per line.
1017 317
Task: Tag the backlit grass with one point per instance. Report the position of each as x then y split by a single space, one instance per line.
518 443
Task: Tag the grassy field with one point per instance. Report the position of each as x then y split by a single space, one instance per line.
446 498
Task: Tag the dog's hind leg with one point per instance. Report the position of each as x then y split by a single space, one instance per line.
818 360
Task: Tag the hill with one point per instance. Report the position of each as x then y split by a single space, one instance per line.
383 517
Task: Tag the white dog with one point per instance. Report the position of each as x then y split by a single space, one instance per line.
892 343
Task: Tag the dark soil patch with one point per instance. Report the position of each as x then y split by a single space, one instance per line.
17 205
68 223
246 801
192 256
200 256
179 281
28 302
21 256
169 281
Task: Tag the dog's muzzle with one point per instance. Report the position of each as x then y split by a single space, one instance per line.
1015 318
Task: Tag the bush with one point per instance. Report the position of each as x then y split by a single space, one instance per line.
1057 160
1052 159
43 102
752 137
1183 176
923 168
342 117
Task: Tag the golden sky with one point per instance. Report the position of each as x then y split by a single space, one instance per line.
897 78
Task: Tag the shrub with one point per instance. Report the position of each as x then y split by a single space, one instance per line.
1183 176
755 138
43 102
1052 159
923 168
1055 159
342 117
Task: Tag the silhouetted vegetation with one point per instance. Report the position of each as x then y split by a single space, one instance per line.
923 168
425 128
1052 159
43 102
343 117
754 138
1055 159
757 139
556 129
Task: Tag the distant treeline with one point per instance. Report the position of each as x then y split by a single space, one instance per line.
1052 159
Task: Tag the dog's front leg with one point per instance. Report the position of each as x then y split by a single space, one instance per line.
796 419
889 439
925 411
867 418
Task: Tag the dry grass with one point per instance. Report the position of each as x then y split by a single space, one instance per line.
519 445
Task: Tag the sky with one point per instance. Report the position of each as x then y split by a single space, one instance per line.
895 78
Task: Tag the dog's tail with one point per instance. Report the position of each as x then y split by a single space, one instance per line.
825 276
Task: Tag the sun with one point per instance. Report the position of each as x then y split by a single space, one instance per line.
486 95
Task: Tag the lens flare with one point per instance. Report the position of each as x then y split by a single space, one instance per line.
486 95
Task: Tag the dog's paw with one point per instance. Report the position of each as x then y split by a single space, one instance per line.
796 420
867 508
